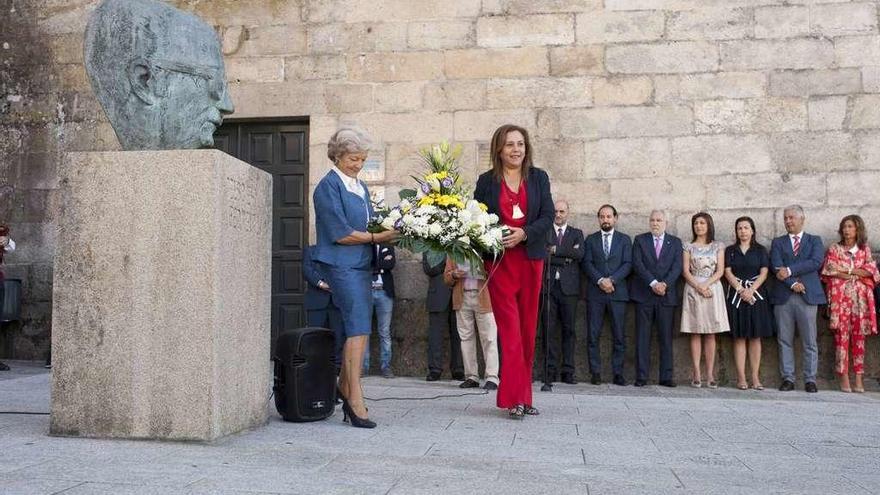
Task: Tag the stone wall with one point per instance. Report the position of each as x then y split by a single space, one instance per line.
731 106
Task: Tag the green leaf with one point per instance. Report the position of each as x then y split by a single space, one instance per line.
407 194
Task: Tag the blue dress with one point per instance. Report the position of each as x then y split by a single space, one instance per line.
338 213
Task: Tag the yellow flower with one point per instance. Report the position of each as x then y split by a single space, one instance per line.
483 207
426 200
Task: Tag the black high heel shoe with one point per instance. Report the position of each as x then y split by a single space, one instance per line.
356 421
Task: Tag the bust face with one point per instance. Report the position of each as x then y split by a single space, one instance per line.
158 73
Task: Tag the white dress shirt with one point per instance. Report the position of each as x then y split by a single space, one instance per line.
351 184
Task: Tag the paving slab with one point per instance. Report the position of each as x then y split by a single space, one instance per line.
587 440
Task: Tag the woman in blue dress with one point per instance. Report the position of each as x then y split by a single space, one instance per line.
344 250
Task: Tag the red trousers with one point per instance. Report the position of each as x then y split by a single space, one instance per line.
515 288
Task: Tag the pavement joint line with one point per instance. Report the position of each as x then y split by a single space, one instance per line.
81 483
583 456
513 441
428 449
744 463
676 477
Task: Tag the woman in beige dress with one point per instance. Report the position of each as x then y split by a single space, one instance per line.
703 311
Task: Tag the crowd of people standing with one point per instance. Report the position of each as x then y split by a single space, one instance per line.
743 289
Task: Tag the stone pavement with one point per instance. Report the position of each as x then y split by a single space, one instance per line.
588 440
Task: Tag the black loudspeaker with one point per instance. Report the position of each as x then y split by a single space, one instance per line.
305 374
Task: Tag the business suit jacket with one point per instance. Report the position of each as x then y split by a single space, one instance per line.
616 267
386 265
315 298
539 217
804 268
647 268
439 294
567 259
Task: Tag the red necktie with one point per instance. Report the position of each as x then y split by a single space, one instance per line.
797 245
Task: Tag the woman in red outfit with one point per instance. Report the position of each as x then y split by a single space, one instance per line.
520 195
850 273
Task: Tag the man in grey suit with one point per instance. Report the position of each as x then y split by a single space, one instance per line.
441 319
607 263
796 259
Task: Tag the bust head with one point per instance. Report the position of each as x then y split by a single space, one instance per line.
158 73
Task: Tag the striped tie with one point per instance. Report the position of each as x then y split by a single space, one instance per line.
797 245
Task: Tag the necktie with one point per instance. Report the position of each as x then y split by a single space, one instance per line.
558 237
657 247
797 245
606 244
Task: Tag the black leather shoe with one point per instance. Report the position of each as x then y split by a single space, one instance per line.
468 384
569 379
432 377
458 375
595 379
787 386
3 366
810 387
490 386
619 380
640 383
666 383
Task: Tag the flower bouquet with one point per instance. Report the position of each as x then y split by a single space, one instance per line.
438 218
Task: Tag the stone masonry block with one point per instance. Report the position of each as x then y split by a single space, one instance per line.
613 27
548 6
245 12
535 29
616 122
417 127
871 79
752 115
868 145
681 4
357 37
672 57
622 91
709 24
440 35
479 125
865 112
847 188
843 19
549 123
563 159
262 69
583 197
455 95
262 100
274 40
161 323
815 82
348 97
722 154
807 152
576 60
351 11
782 21
827 113
709 86
667 193
315 67
398 97
773 54
398 66
539 92
487 63
627 158
765 191
857 51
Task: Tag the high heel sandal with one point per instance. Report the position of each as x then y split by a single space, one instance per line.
517 412
531 411
356 421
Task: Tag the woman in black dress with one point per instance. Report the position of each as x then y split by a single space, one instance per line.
748 310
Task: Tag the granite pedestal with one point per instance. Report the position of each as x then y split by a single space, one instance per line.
162 291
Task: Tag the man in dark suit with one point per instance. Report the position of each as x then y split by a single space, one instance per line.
320 309
656 260
607 262
562 286
441 319
384 260
797 258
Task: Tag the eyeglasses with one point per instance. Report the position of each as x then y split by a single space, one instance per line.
212 76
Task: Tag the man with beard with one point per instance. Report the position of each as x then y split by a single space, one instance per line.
607 262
